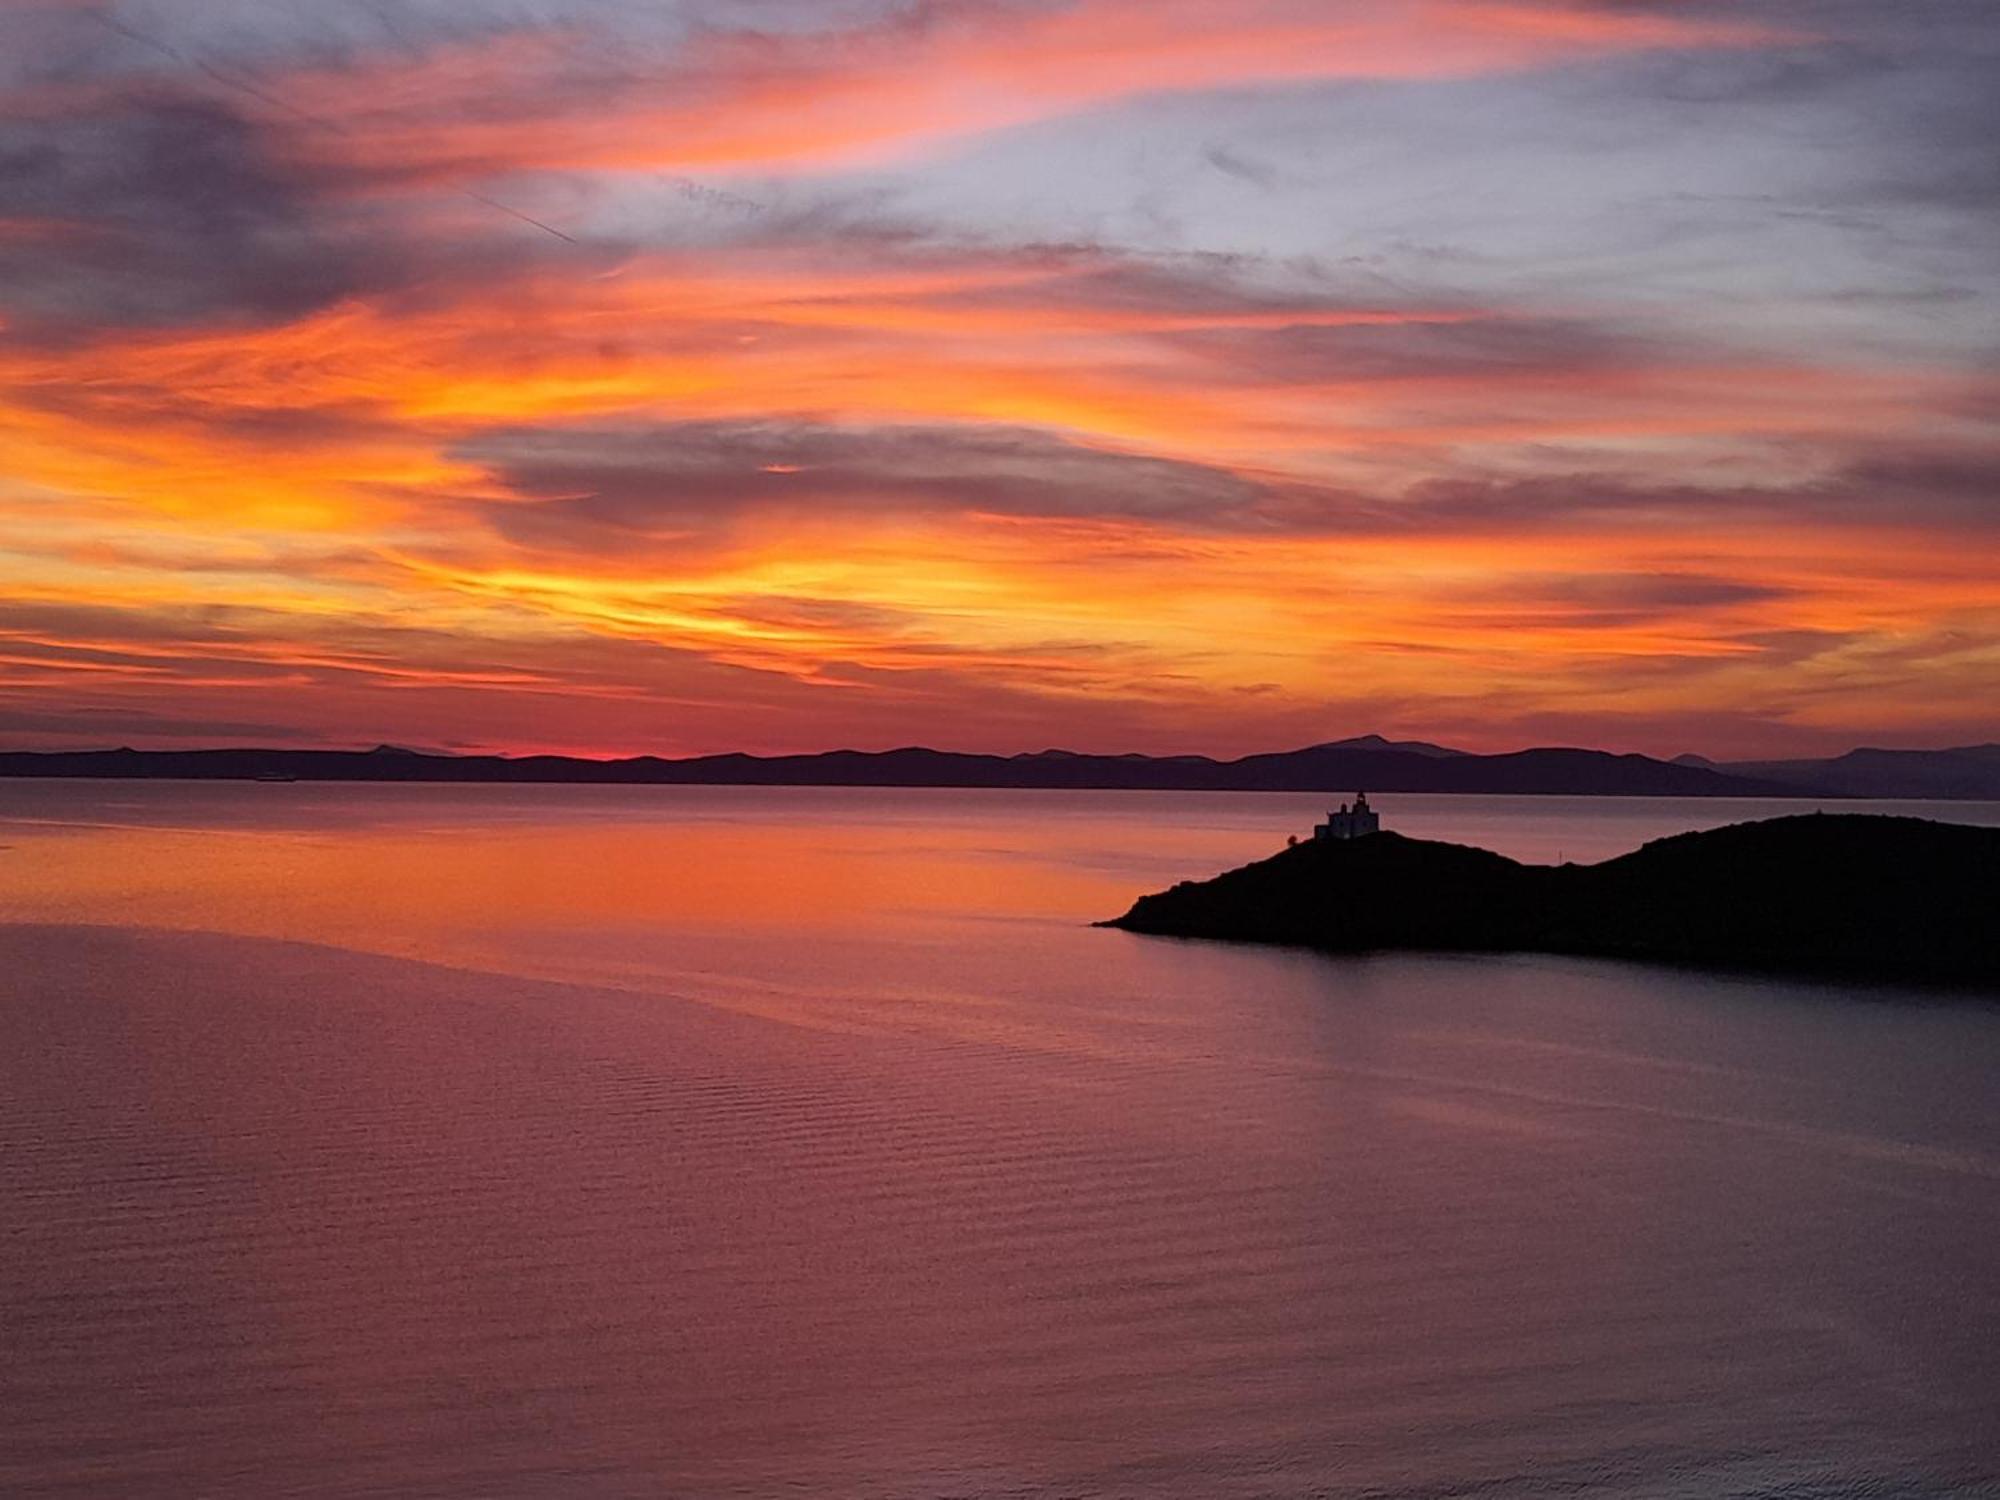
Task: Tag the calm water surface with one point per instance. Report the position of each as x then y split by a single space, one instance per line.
627 1142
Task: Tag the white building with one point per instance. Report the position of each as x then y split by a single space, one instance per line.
1350 822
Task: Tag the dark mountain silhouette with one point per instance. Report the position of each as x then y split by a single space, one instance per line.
1968 772
1375 766
1376 742
1846 893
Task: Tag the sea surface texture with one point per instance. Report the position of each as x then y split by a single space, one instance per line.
577 1142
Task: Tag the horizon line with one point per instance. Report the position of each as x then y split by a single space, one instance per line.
1350 742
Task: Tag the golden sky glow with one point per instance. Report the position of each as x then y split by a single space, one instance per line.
1177 375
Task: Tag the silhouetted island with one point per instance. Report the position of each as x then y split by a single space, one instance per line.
1841 893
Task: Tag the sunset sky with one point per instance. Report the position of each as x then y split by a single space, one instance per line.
1165 375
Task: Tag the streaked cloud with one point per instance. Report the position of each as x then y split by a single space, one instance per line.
1188 375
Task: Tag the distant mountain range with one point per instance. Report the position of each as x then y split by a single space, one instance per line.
1368 763
1971 771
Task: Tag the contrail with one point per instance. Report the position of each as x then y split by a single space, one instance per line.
265 96
524 218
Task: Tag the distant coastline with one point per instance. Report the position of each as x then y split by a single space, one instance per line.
1859 894
1367 763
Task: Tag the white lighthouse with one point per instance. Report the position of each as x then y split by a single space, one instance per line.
1353 822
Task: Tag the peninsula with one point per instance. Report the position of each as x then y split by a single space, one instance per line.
1836 893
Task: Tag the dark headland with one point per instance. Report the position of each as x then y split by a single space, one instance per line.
1828 893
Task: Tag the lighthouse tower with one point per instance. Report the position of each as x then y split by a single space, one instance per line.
1353 822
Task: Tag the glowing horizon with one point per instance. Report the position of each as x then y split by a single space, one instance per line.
1178 376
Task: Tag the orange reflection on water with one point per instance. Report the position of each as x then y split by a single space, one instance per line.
450 872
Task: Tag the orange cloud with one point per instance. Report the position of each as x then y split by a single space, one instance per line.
797 488
780 102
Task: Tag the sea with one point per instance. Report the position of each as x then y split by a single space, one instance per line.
552 1142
